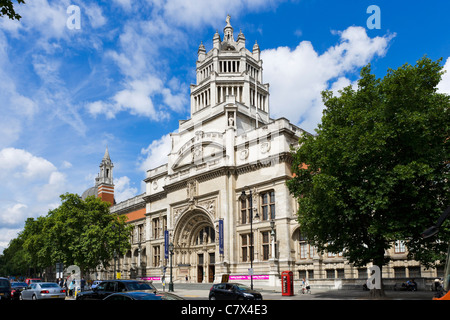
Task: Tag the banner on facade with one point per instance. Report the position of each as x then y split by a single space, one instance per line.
248 277
221 236
166 244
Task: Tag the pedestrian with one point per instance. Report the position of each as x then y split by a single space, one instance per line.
411 285
305 286
71 287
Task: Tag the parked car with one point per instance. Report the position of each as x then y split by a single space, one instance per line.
140 295
43 290
5 289
16 289
95 283
233 291
32 280
109 287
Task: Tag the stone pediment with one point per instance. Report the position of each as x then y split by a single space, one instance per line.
203 147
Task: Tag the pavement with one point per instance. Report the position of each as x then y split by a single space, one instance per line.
200 291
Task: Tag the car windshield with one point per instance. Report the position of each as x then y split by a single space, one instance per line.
242 287
138 286
49 285
4 284
18 284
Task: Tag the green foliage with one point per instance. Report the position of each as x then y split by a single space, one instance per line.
378 169
7 8
78 232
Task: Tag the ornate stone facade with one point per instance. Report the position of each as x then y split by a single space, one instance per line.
230 145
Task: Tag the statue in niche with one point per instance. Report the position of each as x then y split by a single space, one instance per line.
231 120
191 189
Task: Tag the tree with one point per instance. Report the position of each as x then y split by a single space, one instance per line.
7 8
378 169
78 232
13 261
33 244
84 233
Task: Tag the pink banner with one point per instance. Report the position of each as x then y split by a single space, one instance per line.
247 277
151 279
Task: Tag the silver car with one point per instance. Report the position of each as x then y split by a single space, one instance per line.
43 290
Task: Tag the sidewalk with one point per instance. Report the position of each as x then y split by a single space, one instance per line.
200 291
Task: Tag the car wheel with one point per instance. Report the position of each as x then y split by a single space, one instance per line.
34 297
20 297
212 298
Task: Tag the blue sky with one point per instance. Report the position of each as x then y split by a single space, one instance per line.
122 79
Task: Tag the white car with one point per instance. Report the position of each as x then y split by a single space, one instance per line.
43 290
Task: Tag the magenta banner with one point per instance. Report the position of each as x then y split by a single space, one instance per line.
151 279
247 277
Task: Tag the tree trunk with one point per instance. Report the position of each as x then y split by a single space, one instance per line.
379 293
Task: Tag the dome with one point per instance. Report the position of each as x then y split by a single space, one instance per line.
93 191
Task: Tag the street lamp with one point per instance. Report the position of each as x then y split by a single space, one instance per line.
115 263
139 271
272 233
171 258
115 250
243 197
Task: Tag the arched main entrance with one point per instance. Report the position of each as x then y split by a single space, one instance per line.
195 246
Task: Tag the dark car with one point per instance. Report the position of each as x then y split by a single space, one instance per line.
139 295
233 291
5 289
16 289
109 287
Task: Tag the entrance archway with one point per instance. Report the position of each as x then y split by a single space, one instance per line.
195 246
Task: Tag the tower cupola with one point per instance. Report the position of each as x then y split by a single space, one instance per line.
104 181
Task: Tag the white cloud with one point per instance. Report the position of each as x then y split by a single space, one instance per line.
95 15
125 4
66 165
193 13
43 18
6 234
14 215
123 190
138 98
21 164
298 76
156 153
444 85
30 186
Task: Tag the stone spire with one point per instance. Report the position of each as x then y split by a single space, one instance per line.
104 181
106 156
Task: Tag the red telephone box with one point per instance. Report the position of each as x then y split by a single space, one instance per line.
287 283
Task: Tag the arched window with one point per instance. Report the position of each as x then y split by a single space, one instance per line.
206 235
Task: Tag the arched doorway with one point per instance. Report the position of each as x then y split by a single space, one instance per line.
195 246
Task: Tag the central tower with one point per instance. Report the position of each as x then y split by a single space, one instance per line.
230 74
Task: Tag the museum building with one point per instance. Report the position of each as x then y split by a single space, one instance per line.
220 205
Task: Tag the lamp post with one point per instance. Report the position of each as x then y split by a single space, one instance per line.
171 258
115 263
272 233
139 271
115 251
250 197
